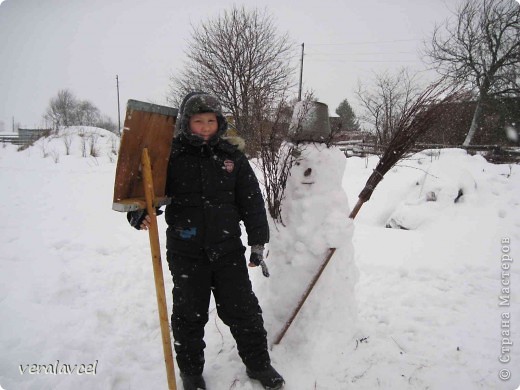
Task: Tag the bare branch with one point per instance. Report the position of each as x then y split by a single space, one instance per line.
479 46
384 103
240 57
480 50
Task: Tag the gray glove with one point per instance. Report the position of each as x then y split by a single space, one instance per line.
257 258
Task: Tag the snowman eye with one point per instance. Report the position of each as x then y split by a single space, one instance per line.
307 172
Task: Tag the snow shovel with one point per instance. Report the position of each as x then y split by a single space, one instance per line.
146 143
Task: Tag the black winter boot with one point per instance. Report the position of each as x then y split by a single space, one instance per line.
269 378
193 382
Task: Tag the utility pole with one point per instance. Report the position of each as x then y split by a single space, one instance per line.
301 75
118 107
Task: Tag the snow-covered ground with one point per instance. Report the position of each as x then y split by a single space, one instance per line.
76 282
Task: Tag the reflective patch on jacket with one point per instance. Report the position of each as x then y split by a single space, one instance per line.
186 233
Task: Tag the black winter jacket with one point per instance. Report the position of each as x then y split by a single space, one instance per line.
212 188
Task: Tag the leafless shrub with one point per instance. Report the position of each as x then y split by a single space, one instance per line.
55 156
43 148
277 155
83 146
113 146
67 141
93 144
276 166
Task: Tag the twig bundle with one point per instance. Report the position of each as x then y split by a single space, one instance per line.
414 121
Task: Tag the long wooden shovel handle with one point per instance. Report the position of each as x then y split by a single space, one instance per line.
157 269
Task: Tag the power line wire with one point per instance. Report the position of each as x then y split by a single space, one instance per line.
360 53
363 42
360 61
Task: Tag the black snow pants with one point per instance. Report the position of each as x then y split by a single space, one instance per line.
227 277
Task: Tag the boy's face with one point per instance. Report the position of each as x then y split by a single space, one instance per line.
204 125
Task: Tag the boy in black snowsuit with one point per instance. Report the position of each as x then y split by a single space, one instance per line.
213 188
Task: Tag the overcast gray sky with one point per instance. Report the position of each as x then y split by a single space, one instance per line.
48 45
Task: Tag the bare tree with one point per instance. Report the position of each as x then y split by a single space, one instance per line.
66 110
239 57
61 110
480 49
105 122
86 114
385 102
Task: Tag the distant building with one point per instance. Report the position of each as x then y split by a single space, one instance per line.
25 136
33 134
453 125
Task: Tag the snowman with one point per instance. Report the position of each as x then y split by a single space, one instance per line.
315 221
